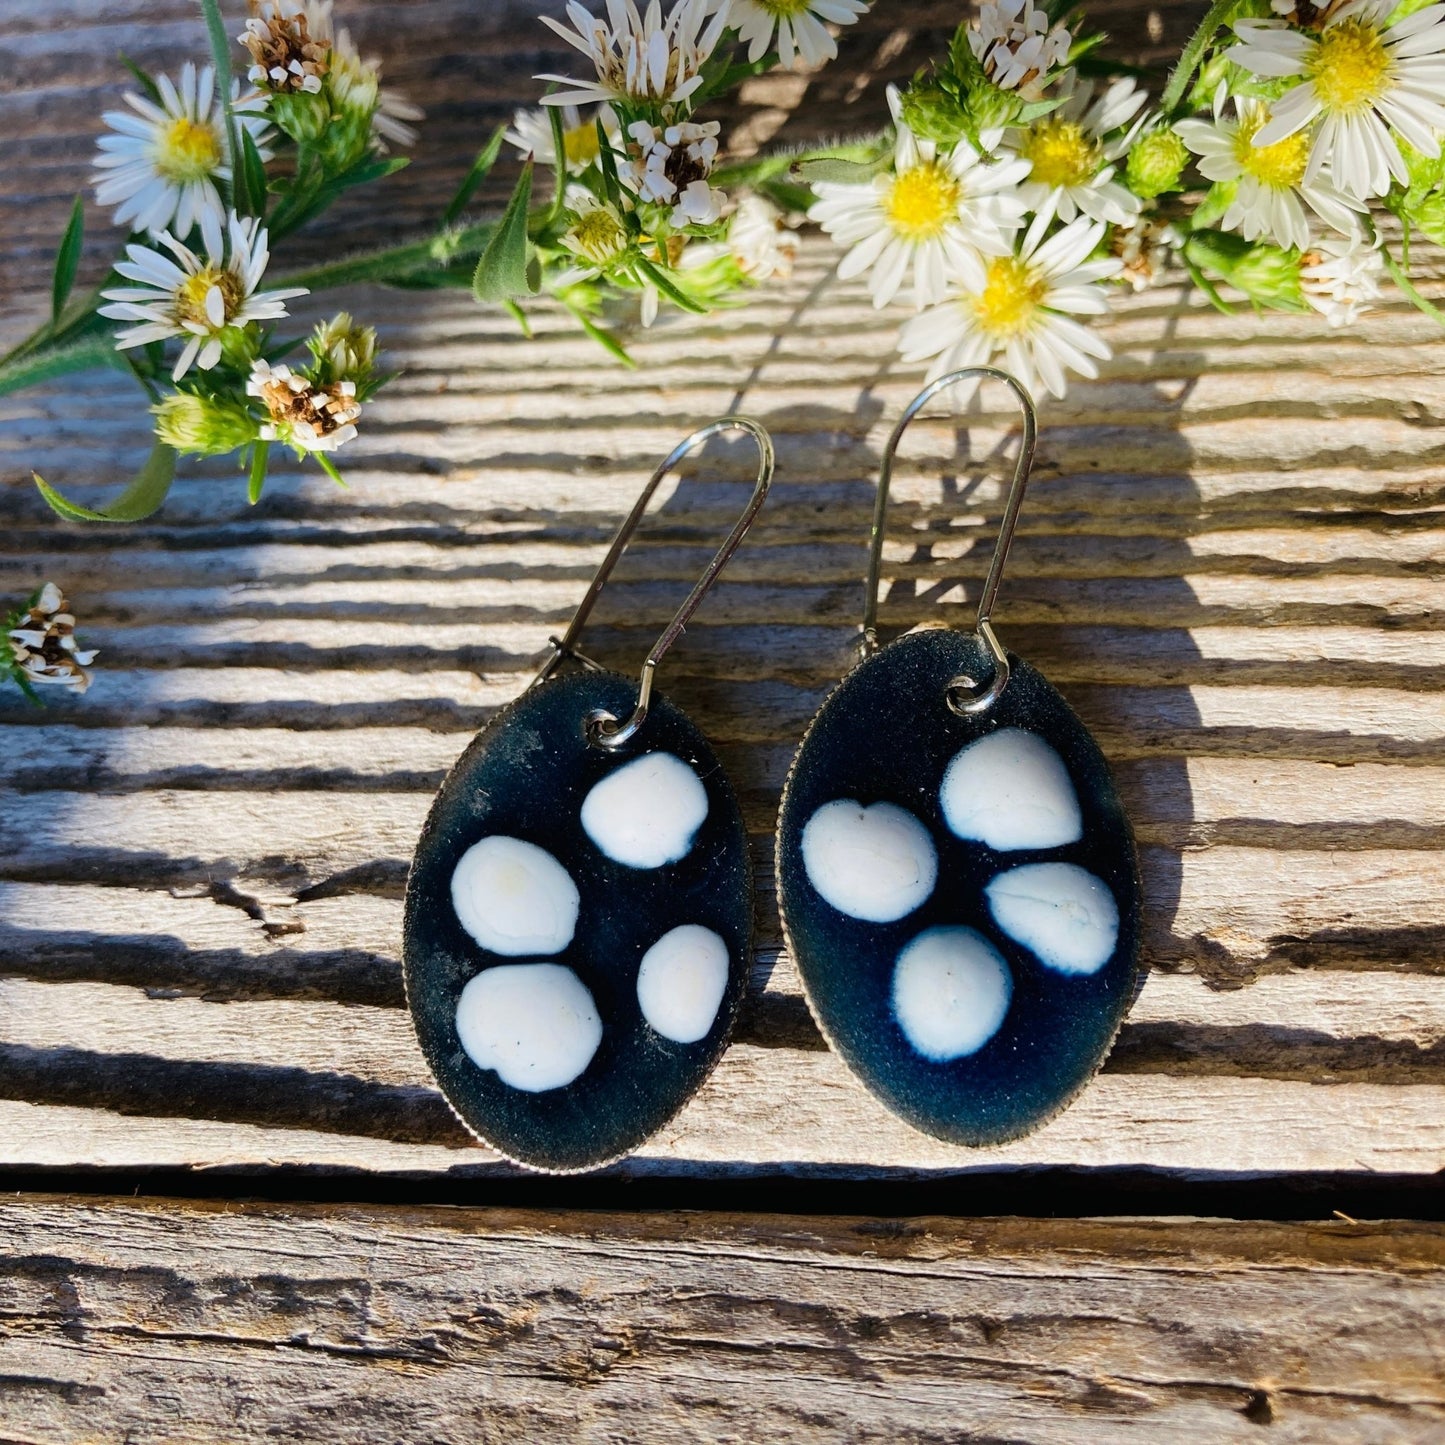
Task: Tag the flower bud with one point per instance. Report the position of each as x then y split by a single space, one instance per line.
301 114
207 426
1156 163
343 350
1266 274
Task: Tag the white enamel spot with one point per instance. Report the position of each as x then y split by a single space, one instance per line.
1061 913
514 898
1011 790
876 863
951 990
681 982
534 1023
647 813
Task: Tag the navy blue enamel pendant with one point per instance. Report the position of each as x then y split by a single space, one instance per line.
579 913
957 875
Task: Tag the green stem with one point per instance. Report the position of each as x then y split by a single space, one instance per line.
1421 303
405 262
1190 57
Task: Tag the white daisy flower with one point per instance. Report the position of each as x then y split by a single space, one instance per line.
761 244
670 165
1361 82
1016 45
1340 277
198 298
934 212
638 57
1023 305
1071 153
308 417
801 32
531 133
42 642
1269 180
161 166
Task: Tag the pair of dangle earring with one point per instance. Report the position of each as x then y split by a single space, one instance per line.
956 876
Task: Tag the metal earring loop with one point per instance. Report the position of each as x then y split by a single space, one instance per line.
603 728
964 694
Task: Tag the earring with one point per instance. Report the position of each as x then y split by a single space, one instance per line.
957 876
579 914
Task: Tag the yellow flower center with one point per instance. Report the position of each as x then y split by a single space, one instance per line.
1011 295
598 236
1350 67
922 201
1281 165
783 9
192 292
189 150
580 145
1061 153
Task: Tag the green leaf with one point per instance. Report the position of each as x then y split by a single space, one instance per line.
481 169
608 162
254 170
329 467
221 57
45 364
502 271
67 260
1429 217
148 86
1419 302
559 166
139 500
606 340
658 277
847 173
259 455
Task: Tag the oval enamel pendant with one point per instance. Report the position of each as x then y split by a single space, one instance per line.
579 914
960 893
578 926
956 874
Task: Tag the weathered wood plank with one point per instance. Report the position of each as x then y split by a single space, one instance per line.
155 1322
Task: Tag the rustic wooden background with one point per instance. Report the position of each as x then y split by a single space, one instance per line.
1229 561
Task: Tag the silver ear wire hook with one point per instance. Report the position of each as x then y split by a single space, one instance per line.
602 727
965 695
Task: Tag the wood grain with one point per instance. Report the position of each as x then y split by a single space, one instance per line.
1230 561
151 1323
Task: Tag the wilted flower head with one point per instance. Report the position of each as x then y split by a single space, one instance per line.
43 650
1145 250
670 165
290 44
305 415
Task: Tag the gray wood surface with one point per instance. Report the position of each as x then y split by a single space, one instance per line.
1229 561
227 1323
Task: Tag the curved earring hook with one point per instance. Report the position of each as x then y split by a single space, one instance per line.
602 727
965 695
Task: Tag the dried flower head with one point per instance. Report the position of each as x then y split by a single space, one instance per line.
42 644
304 414
290 44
